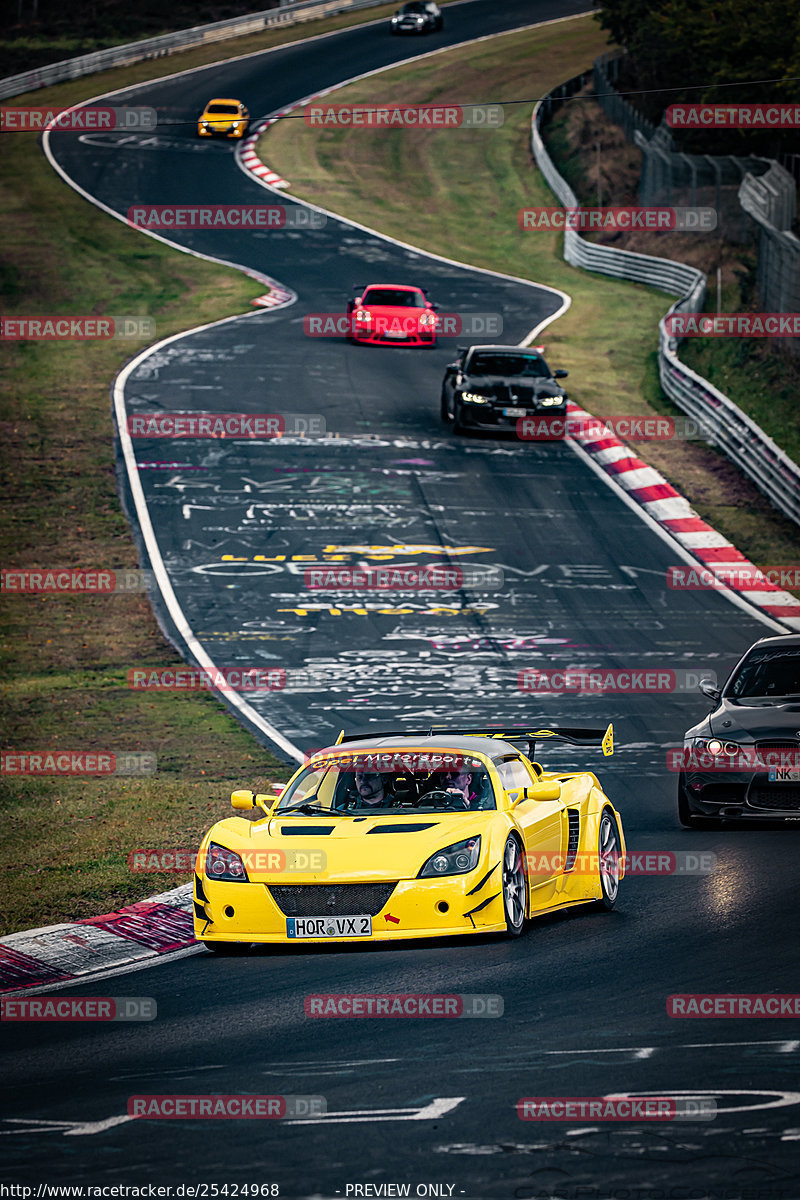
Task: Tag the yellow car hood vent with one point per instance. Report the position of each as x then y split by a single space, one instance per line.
402 828
307 830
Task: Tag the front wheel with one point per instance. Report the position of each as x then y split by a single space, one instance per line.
515 887
609 853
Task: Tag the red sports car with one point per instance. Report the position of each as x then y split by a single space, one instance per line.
392 314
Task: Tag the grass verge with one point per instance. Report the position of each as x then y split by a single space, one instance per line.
457 193
65 658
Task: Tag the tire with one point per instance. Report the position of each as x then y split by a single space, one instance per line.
227 948
444 413
609 852
457 426
515 887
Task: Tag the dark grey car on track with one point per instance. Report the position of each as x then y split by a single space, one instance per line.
494 387
418 16
743 760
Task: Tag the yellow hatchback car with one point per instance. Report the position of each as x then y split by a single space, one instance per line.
223 118
420 834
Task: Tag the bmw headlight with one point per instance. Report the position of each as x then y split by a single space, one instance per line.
550 401
474 398
715 747
224 864
453 860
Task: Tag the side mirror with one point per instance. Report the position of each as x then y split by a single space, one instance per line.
560 373
708 689
544 790
435 307
243 801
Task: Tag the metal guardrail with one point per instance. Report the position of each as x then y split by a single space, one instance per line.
725 425
171 43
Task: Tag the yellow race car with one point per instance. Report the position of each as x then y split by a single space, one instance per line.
412 835
223 118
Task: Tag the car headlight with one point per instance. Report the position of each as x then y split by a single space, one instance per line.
454 860
549 401
474 398
361 314
222 863
427 319
715 746
204 123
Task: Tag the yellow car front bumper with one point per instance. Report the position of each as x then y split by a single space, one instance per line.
416 908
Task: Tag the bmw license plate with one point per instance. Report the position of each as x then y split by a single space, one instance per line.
784 774
514 412
315 927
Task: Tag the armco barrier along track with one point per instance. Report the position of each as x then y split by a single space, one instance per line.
170 43
772 471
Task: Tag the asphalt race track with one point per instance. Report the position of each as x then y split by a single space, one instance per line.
583 583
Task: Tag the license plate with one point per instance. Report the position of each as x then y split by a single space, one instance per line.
316 927
784 774
394 333
514 412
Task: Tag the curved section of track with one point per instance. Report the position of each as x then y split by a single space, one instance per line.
584 584
240 525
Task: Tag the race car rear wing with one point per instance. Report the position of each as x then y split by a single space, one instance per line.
575 735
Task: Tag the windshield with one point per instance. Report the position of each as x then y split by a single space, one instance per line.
362 783
393 298
414 7
767 673
530 365
228 110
